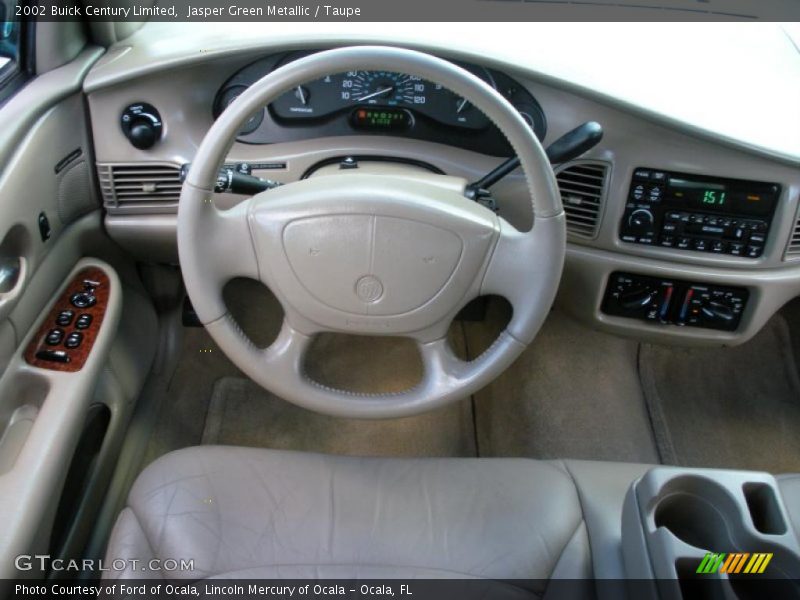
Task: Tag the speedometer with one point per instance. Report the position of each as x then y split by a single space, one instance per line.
382 87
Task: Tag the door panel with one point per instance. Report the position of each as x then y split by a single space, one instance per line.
46 171
47 180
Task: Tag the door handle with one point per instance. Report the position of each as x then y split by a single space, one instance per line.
10 271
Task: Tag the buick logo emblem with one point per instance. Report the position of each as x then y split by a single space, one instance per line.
369 289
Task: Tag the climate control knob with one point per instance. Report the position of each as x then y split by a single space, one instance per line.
142 125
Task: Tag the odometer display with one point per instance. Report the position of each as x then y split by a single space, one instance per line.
381 119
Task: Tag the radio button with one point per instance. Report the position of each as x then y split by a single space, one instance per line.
684 242
658 176
642 174
655 193
645 240
754 251
713 229
718 247
757 238
669 227
674 216
697 219
701 245
638 192
668 241
736 249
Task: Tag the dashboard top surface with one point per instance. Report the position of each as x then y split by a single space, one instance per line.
713 83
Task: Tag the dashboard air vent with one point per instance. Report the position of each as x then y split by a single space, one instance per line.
583 189
140 187
793 249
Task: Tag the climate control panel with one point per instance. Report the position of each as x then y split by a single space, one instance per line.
674 301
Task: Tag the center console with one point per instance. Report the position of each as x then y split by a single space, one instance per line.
710 533
700 213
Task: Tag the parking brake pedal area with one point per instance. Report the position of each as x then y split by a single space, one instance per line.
66 336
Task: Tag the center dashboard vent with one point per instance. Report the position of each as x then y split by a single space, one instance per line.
583 190
140 187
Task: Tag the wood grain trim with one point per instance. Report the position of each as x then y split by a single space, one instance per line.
77 356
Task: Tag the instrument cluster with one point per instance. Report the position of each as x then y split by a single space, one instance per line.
378 103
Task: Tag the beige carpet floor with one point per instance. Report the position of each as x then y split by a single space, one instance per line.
733 407
575 393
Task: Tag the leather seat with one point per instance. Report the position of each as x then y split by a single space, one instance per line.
250 513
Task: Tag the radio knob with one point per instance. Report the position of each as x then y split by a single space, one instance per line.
641 218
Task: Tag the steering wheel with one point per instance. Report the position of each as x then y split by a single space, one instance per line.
371 254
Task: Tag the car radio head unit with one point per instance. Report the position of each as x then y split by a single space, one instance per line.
698 212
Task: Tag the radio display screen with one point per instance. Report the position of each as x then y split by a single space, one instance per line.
721 195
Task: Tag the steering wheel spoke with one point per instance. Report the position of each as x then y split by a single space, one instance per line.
222 245
524 270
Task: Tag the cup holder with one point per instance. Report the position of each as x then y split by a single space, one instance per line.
699 512
693 520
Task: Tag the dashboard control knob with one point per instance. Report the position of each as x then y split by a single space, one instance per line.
141 123
83 299
637 298
142 136
718 311
641 219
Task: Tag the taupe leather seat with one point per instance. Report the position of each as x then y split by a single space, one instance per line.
252 513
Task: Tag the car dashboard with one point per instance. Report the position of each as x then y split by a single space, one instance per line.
674 235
